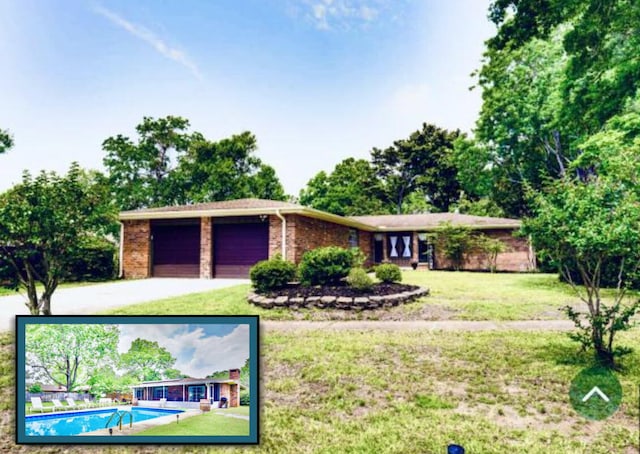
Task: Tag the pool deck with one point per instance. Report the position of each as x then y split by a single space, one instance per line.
77 410
143 425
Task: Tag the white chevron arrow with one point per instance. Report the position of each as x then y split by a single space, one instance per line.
595 390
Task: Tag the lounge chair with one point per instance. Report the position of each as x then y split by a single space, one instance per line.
57 405
72 403
36 405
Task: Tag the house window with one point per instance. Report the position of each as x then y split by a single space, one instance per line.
196 393
216 392
353 238
140 393
400 246
158 392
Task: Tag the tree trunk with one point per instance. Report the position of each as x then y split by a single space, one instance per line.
45 308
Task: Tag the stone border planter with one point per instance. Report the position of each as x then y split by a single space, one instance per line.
338 302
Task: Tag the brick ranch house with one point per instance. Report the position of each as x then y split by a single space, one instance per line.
224 239
188 392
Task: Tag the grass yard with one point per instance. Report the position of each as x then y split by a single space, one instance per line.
373 391
228 301
414 392
207 424
454 295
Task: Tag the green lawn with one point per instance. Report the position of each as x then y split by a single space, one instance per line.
414 392
229 301
370 391
454 295
207 424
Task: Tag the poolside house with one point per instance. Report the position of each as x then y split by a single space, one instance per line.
188 392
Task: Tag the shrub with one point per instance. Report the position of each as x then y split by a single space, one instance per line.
244 398
95 262
357 257
359 280
35 389
326 265
388 272
272 274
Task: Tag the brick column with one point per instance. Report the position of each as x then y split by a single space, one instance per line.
234 401
415 249
385 248
206 248
136 249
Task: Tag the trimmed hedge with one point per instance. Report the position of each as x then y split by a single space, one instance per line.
325 265
388 272
272 274
359 280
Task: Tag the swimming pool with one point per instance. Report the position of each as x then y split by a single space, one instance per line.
79 422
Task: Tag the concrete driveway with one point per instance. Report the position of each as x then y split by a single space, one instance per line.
91 299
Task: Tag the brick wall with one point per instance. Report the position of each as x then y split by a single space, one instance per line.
136 249
365 243
234 401
206 249
517 255
304 234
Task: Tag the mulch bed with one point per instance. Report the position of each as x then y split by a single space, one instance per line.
299 291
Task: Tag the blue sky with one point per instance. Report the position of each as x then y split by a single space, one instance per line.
199 349
317 81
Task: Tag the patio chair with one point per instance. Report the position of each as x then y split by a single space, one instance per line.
57 405
88 403
36 405
72 403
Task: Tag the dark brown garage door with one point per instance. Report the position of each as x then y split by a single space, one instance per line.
237 247
176 250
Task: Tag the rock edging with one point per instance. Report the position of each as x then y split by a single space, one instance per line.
335 302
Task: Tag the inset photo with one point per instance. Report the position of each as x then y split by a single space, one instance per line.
131 380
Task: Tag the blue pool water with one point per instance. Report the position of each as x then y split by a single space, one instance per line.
75 423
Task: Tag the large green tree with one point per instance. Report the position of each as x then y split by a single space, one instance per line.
140 172
227 169
147 360
45 223
554 74
66 354
168 165
425 161
351 189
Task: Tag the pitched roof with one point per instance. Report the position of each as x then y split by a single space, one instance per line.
253 207
53 388
428 221
238 204
184 381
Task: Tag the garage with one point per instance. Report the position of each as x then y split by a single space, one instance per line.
239 246
176 248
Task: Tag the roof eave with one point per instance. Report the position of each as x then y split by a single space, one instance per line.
436 228
218 213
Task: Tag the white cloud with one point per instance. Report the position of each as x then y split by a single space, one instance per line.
197 354
330 14
152 39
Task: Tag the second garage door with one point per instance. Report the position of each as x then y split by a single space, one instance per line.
237 247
